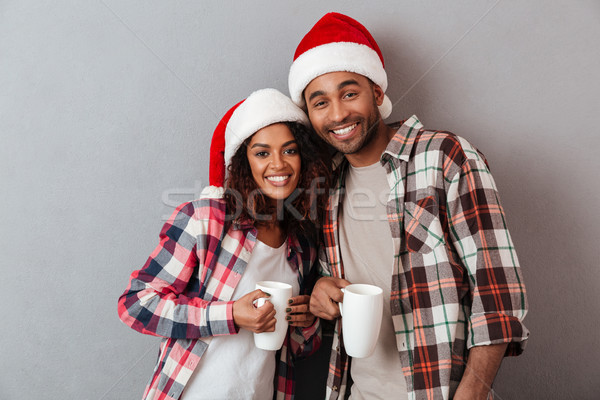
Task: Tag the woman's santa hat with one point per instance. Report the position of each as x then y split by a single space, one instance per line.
337 43
262 108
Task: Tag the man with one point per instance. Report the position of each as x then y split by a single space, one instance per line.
415 212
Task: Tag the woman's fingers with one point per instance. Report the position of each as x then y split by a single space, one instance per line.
301 320
298 312
303 308
303 299
253 313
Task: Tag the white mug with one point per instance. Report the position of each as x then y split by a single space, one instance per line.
361 309
280 294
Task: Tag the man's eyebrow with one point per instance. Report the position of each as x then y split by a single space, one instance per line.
315 94
342 85
347 83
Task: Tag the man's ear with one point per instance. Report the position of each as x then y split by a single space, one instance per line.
378 93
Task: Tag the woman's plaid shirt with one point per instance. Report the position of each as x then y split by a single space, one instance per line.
457 281
183 294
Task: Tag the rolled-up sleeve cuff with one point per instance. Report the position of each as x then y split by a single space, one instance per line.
220 318
496 328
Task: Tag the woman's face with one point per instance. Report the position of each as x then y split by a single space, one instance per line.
274 159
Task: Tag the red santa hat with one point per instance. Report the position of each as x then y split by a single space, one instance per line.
262 108
337 43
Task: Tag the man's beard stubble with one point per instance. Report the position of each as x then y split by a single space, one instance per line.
367 134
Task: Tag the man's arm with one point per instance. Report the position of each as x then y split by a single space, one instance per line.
479 234
498 300
482 366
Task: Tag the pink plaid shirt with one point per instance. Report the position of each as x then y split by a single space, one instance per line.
183 294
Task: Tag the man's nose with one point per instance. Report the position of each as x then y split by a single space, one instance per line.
338 111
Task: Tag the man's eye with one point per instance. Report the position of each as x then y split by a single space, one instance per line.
348 95
318 104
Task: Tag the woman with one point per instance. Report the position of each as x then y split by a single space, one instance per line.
197 288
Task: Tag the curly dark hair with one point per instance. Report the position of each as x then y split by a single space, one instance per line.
305 206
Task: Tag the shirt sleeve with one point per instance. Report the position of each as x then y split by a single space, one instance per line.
155 303
324 267
480 236
305 341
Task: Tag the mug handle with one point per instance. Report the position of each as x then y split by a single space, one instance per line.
340 304
260 302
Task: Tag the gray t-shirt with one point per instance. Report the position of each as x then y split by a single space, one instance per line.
368 254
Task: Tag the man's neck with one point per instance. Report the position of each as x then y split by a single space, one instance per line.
371 153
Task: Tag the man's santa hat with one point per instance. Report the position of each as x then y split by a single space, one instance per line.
337 43
262 108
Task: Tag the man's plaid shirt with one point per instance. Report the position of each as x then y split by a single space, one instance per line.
456 281
183 294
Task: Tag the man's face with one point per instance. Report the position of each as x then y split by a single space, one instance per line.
342 107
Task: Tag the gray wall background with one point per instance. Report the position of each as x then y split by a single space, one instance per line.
106 113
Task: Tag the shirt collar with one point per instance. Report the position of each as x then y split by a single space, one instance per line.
292 241
400 146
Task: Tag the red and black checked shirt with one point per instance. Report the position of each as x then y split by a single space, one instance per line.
456 281
183 294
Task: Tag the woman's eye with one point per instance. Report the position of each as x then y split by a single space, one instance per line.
261 154
290 151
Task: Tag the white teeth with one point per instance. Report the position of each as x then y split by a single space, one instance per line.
344 131
278 178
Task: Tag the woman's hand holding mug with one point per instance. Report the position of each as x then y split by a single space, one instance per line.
247 315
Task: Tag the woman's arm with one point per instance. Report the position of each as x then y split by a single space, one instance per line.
154 302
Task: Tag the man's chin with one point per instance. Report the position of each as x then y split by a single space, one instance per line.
348 149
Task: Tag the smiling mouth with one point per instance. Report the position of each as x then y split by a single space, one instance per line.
278 178
344 131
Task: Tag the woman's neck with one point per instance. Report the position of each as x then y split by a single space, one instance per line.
270 234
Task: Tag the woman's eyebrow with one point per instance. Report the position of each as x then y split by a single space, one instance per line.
268 146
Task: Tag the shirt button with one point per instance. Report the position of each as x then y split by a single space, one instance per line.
335 388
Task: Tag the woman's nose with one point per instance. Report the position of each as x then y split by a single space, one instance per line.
276 161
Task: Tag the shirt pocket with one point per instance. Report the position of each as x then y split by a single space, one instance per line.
422 227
